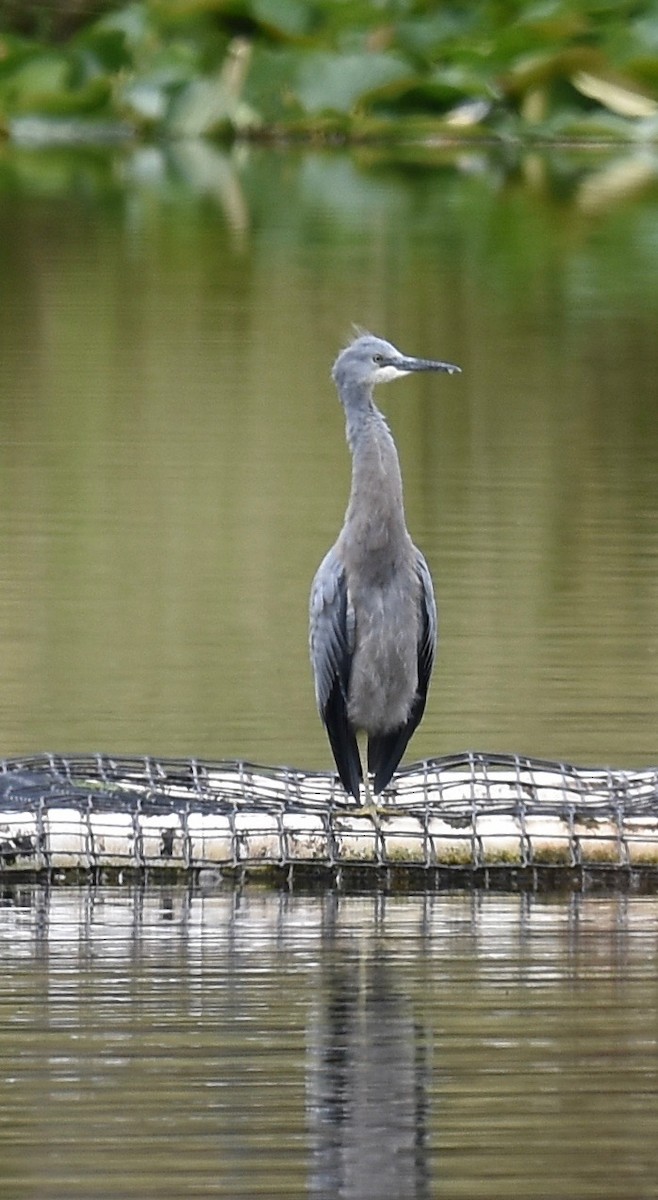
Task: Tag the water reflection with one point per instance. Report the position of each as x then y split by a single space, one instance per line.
368 1081
163 1043
173 462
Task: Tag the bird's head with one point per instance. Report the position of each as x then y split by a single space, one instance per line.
369 360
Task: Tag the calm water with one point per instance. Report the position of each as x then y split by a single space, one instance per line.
172 461
172 468
161 1044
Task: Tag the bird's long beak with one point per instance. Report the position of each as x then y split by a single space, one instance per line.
425 364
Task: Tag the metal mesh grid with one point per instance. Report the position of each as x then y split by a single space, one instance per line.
469 812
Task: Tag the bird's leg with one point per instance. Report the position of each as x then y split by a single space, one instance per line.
370 807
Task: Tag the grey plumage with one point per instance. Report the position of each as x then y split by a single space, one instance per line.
373 623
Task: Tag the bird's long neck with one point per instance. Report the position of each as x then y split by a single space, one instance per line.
375 512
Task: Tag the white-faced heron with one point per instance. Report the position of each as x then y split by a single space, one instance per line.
373 624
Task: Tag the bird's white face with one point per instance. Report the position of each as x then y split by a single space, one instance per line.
386 374
368 360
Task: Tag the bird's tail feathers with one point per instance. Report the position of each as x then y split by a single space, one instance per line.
348 763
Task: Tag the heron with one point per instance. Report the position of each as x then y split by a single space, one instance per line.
373 620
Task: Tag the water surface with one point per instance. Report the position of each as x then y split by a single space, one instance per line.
172 459
168 1044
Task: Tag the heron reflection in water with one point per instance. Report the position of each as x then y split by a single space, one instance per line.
373 623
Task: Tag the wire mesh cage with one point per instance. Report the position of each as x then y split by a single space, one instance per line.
498 816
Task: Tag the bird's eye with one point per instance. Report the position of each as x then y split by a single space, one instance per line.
378 358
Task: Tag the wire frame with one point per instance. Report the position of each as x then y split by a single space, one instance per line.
479 817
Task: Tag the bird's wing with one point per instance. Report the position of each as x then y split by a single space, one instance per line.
386 750
332 646
429 628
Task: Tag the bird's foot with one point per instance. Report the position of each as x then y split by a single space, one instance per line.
370 807
373 809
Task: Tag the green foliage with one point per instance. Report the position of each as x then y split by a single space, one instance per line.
326 82
224 67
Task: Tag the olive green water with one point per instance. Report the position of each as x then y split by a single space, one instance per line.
172 457
165 1044
172 468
